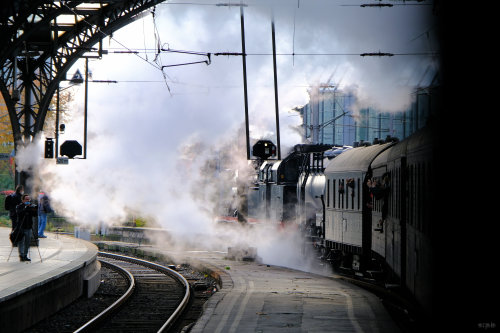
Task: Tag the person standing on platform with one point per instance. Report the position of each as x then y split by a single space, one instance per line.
44 208
11 202
25 214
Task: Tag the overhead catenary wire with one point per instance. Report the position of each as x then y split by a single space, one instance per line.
157 58
208 55
329 54
227 53
218 4
109 36
154 64
158 49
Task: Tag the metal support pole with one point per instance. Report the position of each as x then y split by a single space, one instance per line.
245 81
57 123
28 82
315 114
15 93
27 110
85 108
276 93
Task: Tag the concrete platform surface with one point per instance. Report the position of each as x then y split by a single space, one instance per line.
58 255
266 298
257 297
59 272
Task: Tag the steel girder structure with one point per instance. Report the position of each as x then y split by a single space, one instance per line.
38 48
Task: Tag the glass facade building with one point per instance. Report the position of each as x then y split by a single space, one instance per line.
335 123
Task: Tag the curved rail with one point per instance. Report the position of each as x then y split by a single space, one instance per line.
104 314
178 311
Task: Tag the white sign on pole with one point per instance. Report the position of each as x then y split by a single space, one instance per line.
62 160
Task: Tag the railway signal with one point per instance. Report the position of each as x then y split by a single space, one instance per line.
264 149
49 148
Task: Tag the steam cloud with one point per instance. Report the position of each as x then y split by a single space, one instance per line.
148 147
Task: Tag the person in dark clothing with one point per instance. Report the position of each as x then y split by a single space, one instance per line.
25 214
14 200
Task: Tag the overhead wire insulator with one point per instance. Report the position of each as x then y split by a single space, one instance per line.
377 54
377 5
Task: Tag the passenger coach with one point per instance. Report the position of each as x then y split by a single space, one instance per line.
348 205
402 216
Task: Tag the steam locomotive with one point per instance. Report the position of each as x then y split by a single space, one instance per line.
366 209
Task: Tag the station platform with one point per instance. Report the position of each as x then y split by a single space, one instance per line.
257 297
62 268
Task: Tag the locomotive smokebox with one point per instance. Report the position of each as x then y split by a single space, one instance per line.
264 149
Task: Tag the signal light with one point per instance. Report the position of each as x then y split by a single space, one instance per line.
264 149
49 148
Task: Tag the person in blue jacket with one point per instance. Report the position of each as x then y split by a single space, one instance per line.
44 208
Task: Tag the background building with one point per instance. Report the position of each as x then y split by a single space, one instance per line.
328 118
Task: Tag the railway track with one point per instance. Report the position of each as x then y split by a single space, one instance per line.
405 312
399 304
155 298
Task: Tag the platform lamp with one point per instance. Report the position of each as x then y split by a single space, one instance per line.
71 148
78 79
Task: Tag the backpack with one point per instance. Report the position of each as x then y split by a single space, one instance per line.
15 236
9 202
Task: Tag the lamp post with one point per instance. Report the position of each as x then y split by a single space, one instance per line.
77 79
85 108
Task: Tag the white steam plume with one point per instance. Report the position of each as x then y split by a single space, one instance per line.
146 144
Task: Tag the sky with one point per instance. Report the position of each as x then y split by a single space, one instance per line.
150 134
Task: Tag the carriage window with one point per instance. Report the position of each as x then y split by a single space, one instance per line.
411 204
421 175
352 198
418 196
328 193
391 195
427 203
346 196
422 198
399 196
395 194
359 193
391 200
333 193
341 191
352 192
398 193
